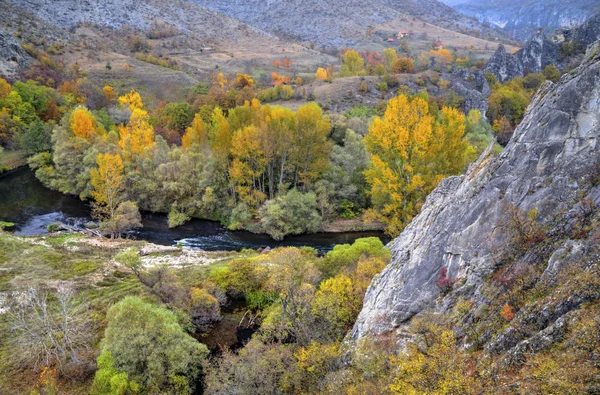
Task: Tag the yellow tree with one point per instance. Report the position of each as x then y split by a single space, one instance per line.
5 88
195 134
219 80
411 153
133 100
390 57
220 140
353 64
311 157
321 73
109 94
83 124
244 80
443 56
137 135
282 125
107 181
248 164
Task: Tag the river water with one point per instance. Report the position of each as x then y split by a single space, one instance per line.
32 207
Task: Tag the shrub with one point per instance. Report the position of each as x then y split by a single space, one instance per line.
348 255
294 213
444 282
147 343
551 73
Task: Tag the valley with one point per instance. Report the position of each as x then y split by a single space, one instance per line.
298 197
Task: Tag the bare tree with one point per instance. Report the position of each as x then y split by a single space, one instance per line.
49 328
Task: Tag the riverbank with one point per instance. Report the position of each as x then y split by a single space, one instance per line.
352 225
11 161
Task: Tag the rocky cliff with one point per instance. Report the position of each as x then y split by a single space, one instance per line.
587 33
537 53
13 59
549 172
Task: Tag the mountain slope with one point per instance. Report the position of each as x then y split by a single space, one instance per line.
548 177
339 22
521 19
185 16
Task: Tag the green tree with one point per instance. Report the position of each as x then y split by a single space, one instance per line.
36 138
352 64
294 213
147 343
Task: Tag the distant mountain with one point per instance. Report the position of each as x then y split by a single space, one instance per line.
522 18
539 52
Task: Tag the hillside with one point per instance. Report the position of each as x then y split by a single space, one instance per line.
521 19
338 23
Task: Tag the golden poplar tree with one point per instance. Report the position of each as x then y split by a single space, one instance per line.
109 94
321 73
195 134
390 57
138 134
107 181
247 166
411 152
133 100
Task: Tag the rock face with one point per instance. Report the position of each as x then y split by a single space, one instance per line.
473 87
536 54
521 19
589 32
13 59
544 168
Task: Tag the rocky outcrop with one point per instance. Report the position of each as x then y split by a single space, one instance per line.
545 167
472 86
589 32
535 55
13 59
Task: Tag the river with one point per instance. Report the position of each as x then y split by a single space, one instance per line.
32 207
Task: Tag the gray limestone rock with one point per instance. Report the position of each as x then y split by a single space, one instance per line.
535 55
13 59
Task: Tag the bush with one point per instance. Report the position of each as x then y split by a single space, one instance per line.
147 344
382 87
551 73
348 255
533 80
279 92
204 308
294 213
404 65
